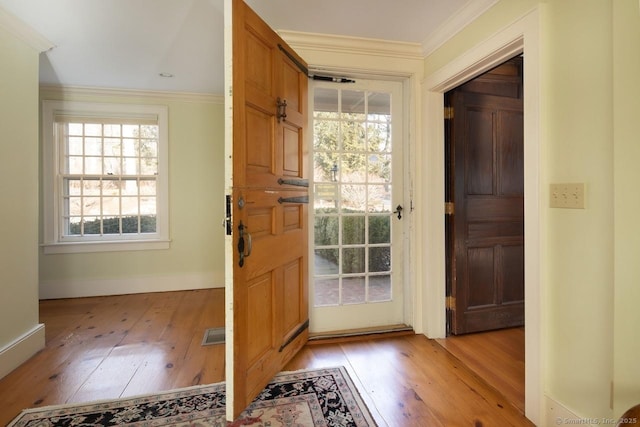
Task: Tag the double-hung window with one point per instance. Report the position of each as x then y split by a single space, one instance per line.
105 177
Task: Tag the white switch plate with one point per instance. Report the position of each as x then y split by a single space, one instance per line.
568 196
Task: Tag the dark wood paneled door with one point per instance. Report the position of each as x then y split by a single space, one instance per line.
485 222
267 299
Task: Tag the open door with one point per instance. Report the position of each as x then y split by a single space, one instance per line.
267 196
485 195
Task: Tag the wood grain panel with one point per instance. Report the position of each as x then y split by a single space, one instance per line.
259 131
511 153
480 147
291 152
513 276
481 278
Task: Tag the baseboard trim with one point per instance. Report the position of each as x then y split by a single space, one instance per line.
558 414
21 349
78 288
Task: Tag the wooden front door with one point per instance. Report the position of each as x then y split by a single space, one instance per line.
267 309
485 225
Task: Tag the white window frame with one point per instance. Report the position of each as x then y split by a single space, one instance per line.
53 241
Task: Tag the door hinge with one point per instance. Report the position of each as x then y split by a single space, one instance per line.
449 208
451 302
448 113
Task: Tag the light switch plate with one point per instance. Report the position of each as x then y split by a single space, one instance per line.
568 196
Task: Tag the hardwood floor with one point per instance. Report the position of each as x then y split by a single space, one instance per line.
108 347
496 356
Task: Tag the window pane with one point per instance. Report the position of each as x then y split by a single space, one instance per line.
379 168
93 165
325 102
92 129
130 166
379 104
379 137
130 131
129 147
379 229
353 104
380 259
111 187
327 291
92 146
353 230
379 198
112 166
73 226
354 198
149 148
74 146
325 230
91 225
75 129
326 261
353 260
148 224
149 166
129 187
75 165
111 206
148 205
353 136
111 130
111 225
354 168
72 187
353 290
130 206
147 187
130 224
91 187
325 198
379 288
91 205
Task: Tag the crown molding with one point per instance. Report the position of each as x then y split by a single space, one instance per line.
148 94
24 32
452 26
352 45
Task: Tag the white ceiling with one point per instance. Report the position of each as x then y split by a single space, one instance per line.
126 44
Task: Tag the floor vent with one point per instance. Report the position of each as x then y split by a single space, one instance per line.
213 336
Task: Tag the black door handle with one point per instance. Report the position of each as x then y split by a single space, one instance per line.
398 211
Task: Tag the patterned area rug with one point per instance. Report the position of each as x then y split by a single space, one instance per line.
323 397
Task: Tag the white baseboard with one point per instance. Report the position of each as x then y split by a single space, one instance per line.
559 415
21 349
77 288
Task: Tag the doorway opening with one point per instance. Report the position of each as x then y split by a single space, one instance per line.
484 226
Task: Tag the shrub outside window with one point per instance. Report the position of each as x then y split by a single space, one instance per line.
105 172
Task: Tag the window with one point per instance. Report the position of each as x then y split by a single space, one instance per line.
105 176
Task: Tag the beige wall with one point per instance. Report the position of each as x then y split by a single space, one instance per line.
195 258
588 48
19 195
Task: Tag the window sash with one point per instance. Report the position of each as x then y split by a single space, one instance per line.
126 184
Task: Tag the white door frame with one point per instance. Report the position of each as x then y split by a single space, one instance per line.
520 36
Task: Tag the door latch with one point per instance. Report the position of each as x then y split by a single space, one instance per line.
398 211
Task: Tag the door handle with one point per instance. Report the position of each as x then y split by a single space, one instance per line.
398 211
281 112
243 250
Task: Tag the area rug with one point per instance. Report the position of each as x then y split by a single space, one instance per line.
322 397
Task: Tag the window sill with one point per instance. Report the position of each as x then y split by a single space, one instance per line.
105 246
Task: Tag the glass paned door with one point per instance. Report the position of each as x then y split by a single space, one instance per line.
357 186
